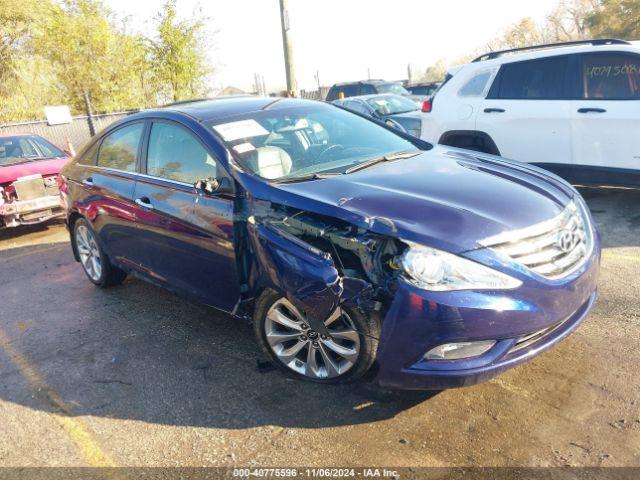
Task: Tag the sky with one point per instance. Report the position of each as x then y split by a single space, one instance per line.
342 40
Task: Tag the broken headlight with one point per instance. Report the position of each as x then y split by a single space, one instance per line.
439 271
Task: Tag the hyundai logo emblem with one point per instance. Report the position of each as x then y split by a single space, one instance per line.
567 240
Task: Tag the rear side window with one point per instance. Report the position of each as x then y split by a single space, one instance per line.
346 90
367 90
175 154
476 85
541 79
350 90
119 150
611 76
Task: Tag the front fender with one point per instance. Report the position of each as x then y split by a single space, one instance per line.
306 276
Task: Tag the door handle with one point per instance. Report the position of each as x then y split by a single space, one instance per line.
494 110
144 202
88 182
591 110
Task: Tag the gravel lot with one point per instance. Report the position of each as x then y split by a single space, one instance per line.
134 376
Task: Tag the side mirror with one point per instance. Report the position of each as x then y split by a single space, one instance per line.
211 186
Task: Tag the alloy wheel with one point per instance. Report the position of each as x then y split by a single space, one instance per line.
89 252
306 351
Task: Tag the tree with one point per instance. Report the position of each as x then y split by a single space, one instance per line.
521 34
26 80
617 19
434 73
178 56
16 21
569 20
90 55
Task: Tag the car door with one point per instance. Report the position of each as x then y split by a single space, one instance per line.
606 117
527 111
106 176
187 236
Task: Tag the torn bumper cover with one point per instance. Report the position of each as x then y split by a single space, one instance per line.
29 212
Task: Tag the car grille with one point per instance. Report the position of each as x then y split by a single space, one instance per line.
554 248
30 188
526 340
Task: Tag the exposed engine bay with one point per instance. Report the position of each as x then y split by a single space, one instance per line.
327 262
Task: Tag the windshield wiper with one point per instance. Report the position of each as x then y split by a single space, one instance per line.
302 178
385 158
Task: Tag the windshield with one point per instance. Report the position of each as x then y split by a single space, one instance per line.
25 148
285 143
391 104
392 88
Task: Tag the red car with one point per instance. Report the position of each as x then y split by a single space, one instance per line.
29 168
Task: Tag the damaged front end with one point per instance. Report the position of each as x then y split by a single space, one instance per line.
319 263
30 200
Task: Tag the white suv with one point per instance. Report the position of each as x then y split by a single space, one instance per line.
572 108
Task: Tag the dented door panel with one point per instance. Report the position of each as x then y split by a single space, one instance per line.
302 273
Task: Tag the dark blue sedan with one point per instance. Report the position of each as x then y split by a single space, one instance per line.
347 242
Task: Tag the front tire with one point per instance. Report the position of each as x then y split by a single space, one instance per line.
286 338
94 261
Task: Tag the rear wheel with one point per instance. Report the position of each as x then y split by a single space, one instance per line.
286 337
94 261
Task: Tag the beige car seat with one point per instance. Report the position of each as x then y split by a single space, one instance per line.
270 162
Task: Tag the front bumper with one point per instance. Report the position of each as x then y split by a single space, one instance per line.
30 212
419 320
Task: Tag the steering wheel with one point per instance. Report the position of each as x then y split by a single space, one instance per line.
331 148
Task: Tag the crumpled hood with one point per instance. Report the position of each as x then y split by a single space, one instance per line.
447 198
10 173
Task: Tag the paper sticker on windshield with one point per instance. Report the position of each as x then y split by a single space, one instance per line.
244 148
242 129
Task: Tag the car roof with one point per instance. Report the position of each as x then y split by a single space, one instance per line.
221 107
551 51
372 95
19 134
374 81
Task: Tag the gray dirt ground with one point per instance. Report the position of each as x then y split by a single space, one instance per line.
136 376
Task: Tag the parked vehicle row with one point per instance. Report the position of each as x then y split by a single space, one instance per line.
348 242
571 108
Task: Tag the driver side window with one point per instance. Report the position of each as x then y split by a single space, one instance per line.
175 154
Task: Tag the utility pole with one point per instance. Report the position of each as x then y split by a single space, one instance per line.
292 87
87 106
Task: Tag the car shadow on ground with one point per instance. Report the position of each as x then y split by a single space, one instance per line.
15 232
137 352
616 212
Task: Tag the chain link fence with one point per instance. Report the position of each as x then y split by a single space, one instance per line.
315 94
77 132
